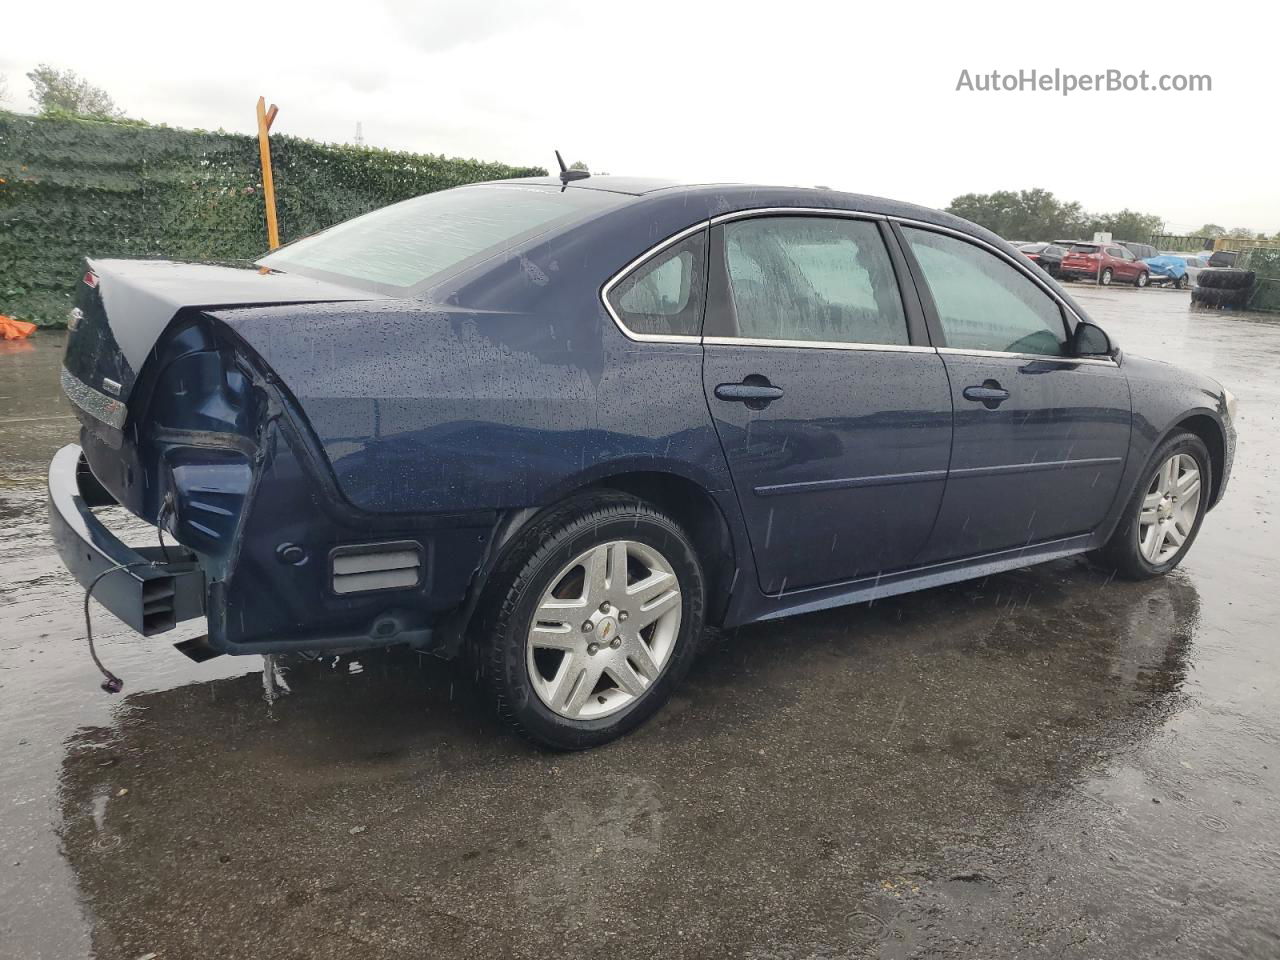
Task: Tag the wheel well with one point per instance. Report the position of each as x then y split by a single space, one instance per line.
701 517
683 500
1207 429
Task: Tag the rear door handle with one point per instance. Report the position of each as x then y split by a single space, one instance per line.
756 392
990 394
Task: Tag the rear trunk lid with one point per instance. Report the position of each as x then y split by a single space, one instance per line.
1082 255
123 307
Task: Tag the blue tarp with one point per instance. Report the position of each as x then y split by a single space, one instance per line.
1166 266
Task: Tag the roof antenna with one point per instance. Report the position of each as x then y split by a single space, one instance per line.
566 175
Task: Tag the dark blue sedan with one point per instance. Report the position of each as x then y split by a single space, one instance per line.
562 426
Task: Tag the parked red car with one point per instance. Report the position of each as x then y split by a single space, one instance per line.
1103 263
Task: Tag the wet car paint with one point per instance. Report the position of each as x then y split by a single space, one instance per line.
506 387
1042 762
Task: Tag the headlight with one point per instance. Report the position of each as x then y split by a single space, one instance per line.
1230 399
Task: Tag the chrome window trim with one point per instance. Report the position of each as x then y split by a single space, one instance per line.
818 344
803 211
622 274
1051 358
675 238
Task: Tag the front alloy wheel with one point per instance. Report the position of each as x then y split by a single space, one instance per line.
1170 509
1164 513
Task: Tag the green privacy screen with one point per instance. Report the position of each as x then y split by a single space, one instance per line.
73 188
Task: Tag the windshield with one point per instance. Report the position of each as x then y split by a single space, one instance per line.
397 250
1084 248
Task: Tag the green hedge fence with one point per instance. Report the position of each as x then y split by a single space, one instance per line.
72 188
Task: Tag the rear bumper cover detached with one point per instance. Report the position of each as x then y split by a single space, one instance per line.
149 588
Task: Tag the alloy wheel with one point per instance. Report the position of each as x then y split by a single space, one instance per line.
1170 508
603 630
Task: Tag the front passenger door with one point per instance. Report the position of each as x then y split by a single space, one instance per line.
1040 435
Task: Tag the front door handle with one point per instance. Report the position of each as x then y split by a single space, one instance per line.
755 391
990 394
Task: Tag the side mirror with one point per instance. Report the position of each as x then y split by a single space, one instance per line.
1090 340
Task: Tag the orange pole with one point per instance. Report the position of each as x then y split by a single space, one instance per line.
265 118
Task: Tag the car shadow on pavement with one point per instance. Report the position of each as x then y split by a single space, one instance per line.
807 780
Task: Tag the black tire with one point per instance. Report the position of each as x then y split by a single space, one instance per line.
516 586
1141 280
1226 278
1182 282
1121 552
1218 297
1105 277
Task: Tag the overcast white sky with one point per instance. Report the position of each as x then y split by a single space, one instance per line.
850 95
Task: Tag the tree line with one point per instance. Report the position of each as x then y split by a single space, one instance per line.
1039 215
1013 214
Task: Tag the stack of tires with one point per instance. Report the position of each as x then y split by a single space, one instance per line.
1223 287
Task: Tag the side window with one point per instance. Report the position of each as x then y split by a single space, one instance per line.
664 295
983 302
810 278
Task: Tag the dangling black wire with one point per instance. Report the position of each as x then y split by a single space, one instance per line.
112 683
160 530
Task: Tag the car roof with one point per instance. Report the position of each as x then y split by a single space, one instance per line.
658 209
718 198
634 186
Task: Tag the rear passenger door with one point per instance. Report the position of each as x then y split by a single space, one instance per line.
1040 436
832 408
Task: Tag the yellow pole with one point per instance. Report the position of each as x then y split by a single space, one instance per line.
265 118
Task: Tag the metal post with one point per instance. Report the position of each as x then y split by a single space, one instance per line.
265 118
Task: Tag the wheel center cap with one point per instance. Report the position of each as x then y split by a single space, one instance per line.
606 629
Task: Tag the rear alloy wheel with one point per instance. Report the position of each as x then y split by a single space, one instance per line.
603 630
1164 514
1105 278
599 608
1182 282
1142 280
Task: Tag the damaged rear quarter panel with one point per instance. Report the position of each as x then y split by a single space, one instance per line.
420 409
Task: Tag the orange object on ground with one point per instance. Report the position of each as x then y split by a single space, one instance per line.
11 329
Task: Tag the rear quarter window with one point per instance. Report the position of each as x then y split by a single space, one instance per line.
664 295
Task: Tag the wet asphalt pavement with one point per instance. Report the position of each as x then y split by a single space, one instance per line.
1042 763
